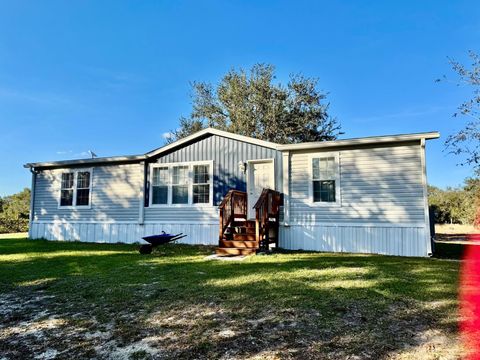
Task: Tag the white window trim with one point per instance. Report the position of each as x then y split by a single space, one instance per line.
320 155
190 165
75 175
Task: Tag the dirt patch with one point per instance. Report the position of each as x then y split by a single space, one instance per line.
34 325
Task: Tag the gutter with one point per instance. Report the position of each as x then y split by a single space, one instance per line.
361 141
103 160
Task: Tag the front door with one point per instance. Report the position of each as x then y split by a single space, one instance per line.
260 176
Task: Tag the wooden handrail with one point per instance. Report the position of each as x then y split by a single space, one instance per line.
229 195
267 210
233 204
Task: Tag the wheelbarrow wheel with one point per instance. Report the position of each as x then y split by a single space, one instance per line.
145 249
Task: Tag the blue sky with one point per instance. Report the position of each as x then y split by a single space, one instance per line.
113 76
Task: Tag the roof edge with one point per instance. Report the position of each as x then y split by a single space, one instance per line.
362 141
211 131
101 160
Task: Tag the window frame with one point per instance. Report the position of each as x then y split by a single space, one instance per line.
190 178
75 181
321 155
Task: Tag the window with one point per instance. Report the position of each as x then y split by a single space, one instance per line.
66 192
324 181
160 185
181 184
75 188
201 184
83 188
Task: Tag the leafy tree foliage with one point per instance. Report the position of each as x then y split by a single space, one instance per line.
252 104
14 212
456 205
466 142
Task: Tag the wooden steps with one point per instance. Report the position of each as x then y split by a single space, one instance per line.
238 244
239 236
241 240
234 251
244 237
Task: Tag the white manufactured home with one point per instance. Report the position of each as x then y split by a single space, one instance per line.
365 195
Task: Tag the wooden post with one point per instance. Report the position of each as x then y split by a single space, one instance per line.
257 226
220 230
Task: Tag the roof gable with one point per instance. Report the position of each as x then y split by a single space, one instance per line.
210 131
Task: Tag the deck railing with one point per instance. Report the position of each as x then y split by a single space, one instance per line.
233 205
267 210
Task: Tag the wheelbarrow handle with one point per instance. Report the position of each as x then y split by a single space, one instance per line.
177 237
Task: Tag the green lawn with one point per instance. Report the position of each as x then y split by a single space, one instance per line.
70 300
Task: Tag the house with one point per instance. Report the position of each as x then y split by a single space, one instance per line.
365 195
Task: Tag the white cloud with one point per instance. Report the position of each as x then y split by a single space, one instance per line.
167 135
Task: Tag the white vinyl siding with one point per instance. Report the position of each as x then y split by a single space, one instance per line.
381 185
114 195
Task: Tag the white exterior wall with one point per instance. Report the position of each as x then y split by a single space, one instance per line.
122 232
115 195
382 207
355 238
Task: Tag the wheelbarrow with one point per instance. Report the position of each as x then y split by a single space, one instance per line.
156 240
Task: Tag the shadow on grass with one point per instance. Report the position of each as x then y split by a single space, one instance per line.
359 302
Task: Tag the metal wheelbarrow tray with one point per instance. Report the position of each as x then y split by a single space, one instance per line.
156 240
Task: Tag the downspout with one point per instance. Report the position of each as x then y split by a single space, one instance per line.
425 198
32 202
286 188
141 196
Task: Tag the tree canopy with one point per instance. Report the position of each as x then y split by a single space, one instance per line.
456 205
466 141
14 212
251 103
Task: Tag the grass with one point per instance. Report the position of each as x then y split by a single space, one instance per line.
14 235
70 299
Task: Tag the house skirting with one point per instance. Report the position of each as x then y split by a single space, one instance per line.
122 232
408 240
